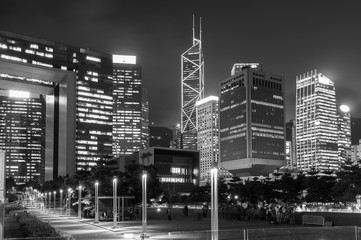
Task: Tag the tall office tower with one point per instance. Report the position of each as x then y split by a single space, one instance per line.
192 65
252 133
356 153
316 123
160 137
344 134
177 137
22 133
207 136
77 85
131 115
145 119
355 130
291 144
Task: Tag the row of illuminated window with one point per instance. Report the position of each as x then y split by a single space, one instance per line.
267 104
84 120
100 132
233 137
95 100
267 130
179 170
94 116
172 180
95 95
80 109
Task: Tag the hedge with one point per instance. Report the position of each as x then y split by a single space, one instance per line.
35 228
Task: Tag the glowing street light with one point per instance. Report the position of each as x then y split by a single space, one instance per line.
54 200
45 200
144 204
96 202
214 201
49 201
79 202
114 202
68 201
61 201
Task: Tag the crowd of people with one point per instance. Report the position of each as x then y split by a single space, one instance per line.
272 212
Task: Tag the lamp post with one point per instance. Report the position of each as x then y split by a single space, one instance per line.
144 204
214 201
96 202
114 202
68 201
45 200
49 195
54 200
79 202
61 201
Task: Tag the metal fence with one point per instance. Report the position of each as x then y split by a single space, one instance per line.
298 233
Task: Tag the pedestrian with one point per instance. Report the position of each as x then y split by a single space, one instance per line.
185 210
169 215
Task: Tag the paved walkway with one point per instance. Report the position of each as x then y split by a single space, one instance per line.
180 227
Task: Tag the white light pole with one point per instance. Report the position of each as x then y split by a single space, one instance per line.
54 200
49 200
61 201
79 202
45 200
96 202
114 202
144 204
214 201
68 201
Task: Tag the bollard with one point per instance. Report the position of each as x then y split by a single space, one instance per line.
356 232
245 234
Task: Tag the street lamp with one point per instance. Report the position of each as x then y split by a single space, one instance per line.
45 200
114 202
96 202
79 202
68 201
144 204
49 200
214 201
54 200
61 201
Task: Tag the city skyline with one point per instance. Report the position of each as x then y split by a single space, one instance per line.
276 34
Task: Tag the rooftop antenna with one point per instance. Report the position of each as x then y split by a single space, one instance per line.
200 29
193 29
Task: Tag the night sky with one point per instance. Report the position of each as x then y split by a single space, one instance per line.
288 37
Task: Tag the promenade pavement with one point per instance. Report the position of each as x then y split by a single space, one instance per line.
158 227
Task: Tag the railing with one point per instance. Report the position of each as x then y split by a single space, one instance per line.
298 233
313 219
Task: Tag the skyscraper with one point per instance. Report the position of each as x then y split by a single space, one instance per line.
344 134
252 133
77 88
131 113
291 144
316 123
192 65
207 135
22 132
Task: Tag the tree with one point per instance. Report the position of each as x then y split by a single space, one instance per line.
144 156
318 186
348 183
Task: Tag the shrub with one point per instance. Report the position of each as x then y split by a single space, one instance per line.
9 208
34 227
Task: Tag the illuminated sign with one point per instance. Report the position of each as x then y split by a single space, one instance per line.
344 108
125 59
19 94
